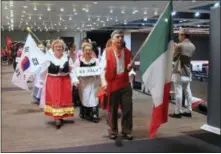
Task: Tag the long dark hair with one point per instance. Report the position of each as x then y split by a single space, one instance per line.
95 48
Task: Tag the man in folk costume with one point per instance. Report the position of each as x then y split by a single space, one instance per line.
115 79
88 85
57 87
182 74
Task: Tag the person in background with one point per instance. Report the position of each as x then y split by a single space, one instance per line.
80 52
56 96
72 53
115 79
88 86
95 49
37 89
182 74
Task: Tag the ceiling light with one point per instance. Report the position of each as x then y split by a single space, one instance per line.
116 20
216 5
48 9
70 18
193 1
89 19
98 18
123 11
26 23
87 10
143 24
125 22
173 13
107 19
145 18
35 8
155 13
75 13
111 10
22 16
34 23
39 18
62 10
25 6
29 17
74 10
145 12
198 25
197 14
6 7
23 11
60 18
166 20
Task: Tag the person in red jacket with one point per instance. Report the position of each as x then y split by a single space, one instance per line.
116 64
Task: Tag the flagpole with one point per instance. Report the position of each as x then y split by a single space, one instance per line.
29 30
132 61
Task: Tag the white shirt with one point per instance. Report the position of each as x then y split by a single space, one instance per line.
119 63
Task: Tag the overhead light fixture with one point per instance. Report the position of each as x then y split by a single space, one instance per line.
35 8
145 11
123 10
25 6
29 17
39 18
23 11
75 13
173 13
145 18
143 24
70 18
22 15
62 9
197 14
6 7
166 20
49 8
89 19
116 20
111 10
98 18
134 11
198 25
74 10
193 1
155 13
216 4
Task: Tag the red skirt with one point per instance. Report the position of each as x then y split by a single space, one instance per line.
58 99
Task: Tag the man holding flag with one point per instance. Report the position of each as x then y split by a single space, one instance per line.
156 67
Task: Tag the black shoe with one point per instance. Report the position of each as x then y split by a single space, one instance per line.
127 136
174 115
185 114
58 124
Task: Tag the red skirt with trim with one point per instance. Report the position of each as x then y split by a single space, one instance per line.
58 97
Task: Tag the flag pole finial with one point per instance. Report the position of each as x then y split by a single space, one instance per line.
28 29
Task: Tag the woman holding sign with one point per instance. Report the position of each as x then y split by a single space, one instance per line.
88 84
57 71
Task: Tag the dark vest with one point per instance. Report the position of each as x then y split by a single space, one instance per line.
54 69
82 64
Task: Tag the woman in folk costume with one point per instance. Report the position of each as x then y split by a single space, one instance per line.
88 86
59 78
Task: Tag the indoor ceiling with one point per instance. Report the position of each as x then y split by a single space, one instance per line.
99 15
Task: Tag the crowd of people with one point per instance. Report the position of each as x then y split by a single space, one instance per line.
59 90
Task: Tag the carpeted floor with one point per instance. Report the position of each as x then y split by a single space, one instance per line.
199 143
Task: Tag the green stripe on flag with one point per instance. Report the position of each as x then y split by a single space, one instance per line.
157 41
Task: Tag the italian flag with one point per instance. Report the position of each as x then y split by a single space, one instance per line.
156 67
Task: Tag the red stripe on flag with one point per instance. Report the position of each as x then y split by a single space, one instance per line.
160 113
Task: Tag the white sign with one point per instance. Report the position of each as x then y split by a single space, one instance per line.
88 71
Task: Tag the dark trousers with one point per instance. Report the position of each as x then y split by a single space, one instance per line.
75 97
123 97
